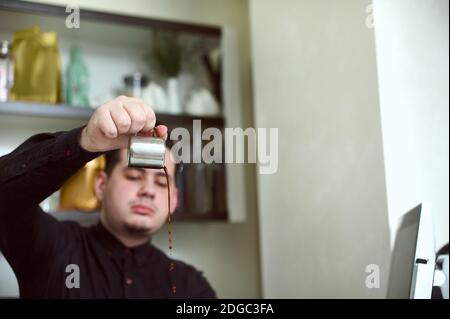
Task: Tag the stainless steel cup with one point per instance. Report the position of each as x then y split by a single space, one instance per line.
146 152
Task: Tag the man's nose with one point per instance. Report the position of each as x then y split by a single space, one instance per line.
147 190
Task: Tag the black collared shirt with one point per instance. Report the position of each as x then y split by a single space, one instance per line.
53 259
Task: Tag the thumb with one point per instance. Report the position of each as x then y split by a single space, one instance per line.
161 131
158 131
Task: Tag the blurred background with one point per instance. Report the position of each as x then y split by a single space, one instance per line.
358 90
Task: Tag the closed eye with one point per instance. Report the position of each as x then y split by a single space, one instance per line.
132 174
133 178
161 184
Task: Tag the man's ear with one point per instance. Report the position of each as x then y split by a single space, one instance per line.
100 183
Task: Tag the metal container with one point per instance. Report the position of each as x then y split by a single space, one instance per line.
146 152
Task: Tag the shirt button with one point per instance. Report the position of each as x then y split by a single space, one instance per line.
24 165
68 152
129 281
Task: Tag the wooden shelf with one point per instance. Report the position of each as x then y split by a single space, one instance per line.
44 110
213 216
47 9
91 218
63 111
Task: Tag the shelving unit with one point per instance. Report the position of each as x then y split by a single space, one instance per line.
88 219
112 27
20 108
44 110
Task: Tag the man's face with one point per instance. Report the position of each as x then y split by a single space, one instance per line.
134 200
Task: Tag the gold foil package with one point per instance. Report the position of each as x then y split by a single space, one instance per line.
78 192
37 66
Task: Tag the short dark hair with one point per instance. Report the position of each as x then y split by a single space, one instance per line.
111 160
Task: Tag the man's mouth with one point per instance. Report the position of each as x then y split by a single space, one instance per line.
142 209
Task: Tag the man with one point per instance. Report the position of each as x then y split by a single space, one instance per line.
114 258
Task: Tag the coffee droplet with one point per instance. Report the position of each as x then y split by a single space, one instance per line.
174 289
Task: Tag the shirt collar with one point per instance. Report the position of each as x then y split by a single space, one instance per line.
116 249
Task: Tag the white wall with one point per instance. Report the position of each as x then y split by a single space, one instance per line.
227 253
323 215
412 56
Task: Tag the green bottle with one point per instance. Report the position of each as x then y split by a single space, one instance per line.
77 80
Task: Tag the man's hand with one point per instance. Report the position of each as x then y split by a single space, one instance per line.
112 123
